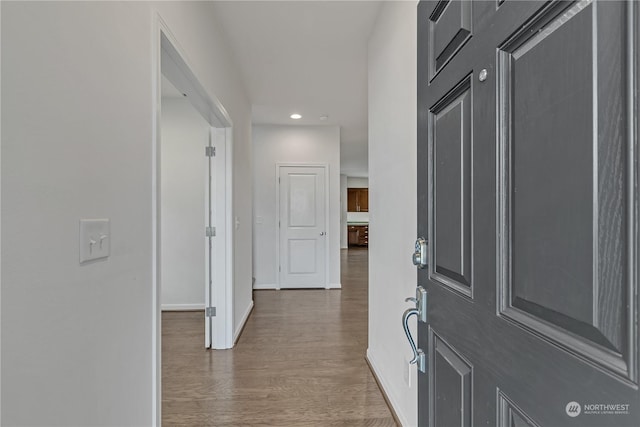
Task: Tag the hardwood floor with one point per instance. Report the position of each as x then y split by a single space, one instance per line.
300 361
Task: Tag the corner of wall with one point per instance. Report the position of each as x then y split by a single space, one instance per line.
0 218
390 394
392 199
243 321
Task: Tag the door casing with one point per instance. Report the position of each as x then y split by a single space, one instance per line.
169 58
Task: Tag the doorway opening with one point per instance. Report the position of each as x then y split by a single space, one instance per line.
192 203
355 212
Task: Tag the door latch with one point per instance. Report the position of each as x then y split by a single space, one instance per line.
420 311
420 254
421 303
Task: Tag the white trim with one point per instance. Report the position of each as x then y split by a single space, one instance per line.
212 108
274 286
229 225
209 188
327 181
260 286
243 321
182 307
393 399
156 312
0 238
222 243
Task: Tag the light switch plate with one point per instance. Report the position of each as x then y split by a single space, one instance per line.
406 370
95 239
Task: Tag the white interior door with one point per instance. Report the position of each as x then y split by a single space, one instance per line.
209 250
217 333
302 225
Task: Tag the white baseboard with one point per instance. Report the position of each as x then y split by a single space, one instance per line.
245 317
182 307
265 286
393 400
274 286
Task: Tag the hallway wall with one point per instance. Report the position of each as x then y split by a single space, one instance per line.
291 144
184 170
77 142
357 182
392 199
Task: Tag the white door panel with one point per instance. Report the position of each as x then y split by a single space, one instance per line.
302 226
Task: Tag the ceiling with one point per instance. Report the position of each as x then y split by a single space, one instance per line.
306 57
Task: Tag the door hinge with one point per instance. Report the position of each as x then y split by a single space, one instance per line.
210 231
280 268
210 312
210 151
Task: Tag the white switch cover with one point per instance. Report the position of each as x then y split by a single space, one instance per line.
95 239
406 371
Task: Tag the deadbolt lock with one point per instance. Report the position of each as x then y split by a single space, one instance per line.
420 254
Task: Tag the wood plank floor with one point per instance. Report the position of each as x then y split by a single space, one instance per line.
300 361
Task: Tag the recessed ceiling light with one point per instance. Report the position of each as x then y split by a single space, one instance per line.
295 116
323 118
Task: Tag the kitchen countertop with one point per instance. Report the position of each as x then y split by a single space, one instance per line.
357 223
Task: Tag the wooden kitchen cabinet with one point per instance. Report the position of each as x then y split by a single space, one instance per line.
352 199
358 235
353 235
358 199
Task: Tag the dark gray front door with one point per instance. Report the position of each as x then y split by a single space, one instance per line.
528 197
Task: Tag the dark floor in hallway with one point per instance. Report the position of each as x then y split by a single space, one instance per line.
299 362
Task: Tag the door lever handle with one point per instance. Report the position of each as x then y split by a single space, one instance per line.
405 323
418 355
412 299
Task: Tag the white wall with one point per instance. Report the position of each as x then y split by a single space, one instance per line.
360 217
0 217
291 144
392 198
184 172
77 138
357 182
344 236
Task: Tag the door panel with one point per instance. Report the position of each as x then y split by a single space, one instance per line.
451 392
510 415
450 147
565 226
302 226
450 28
528 197
352 200
302 201
303 255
